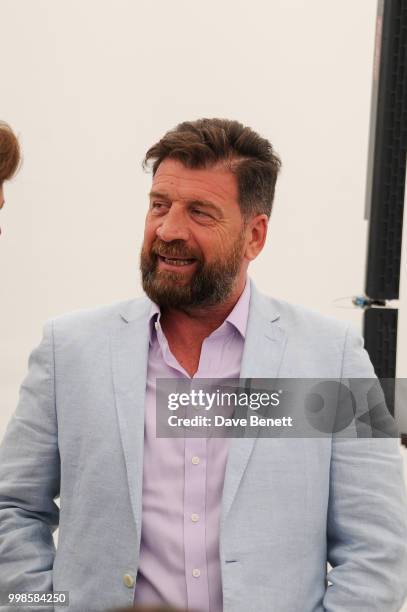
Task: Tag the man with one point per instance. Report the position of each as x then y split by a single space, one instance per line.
9 157
200 523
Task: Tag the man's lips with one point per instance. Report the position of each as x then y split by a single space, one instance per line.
165 262
184 257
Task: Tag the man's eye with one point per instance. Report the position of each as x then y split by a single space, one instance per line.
200 213
157 205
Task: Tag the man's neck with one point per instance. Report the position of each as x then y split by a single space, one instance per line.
192 326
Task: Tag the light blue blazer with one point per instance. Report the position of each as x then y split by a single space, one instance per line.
288 505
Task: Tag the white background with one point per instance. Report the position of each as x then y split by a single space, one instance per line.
89 85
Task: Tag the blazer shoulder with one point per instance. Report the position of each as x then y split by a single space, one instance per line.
92 319
317 345
305 320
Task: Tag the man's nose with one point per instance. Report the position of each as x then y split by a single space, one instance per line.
174 226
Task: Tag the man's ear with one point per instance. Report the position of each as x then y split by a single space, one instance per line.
256 232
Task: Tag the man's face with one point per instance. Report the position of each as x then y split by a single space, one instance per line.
194 217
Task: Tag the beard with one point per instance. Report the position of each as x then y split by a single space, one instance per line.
209 284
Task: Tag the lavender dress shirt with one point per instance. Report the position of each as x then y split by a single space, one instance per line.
183 479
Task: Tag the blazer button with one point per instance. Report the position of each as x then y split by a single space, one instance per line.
128 580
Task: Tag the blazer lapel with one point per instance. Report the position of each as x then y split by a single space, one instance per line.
130 344
262 355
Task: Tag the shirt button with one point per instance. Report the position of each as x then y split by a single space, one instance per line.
128 580
194 518
195 460
196 573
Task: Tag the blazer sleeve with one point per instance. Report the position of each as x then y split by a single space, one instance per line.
367 514
30 479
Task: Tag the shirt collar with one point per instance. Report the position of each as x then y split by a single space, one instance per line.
237 317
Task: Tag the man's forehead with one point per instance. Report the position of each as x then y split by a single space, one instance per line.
177 180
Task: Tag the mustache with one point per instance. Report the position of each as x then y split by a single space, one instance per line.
173 250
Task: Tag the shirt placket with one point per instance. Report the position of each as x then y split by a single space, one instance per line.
196 570
196 458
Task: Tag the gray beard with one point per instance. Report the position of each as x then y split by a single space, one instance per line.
210 284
